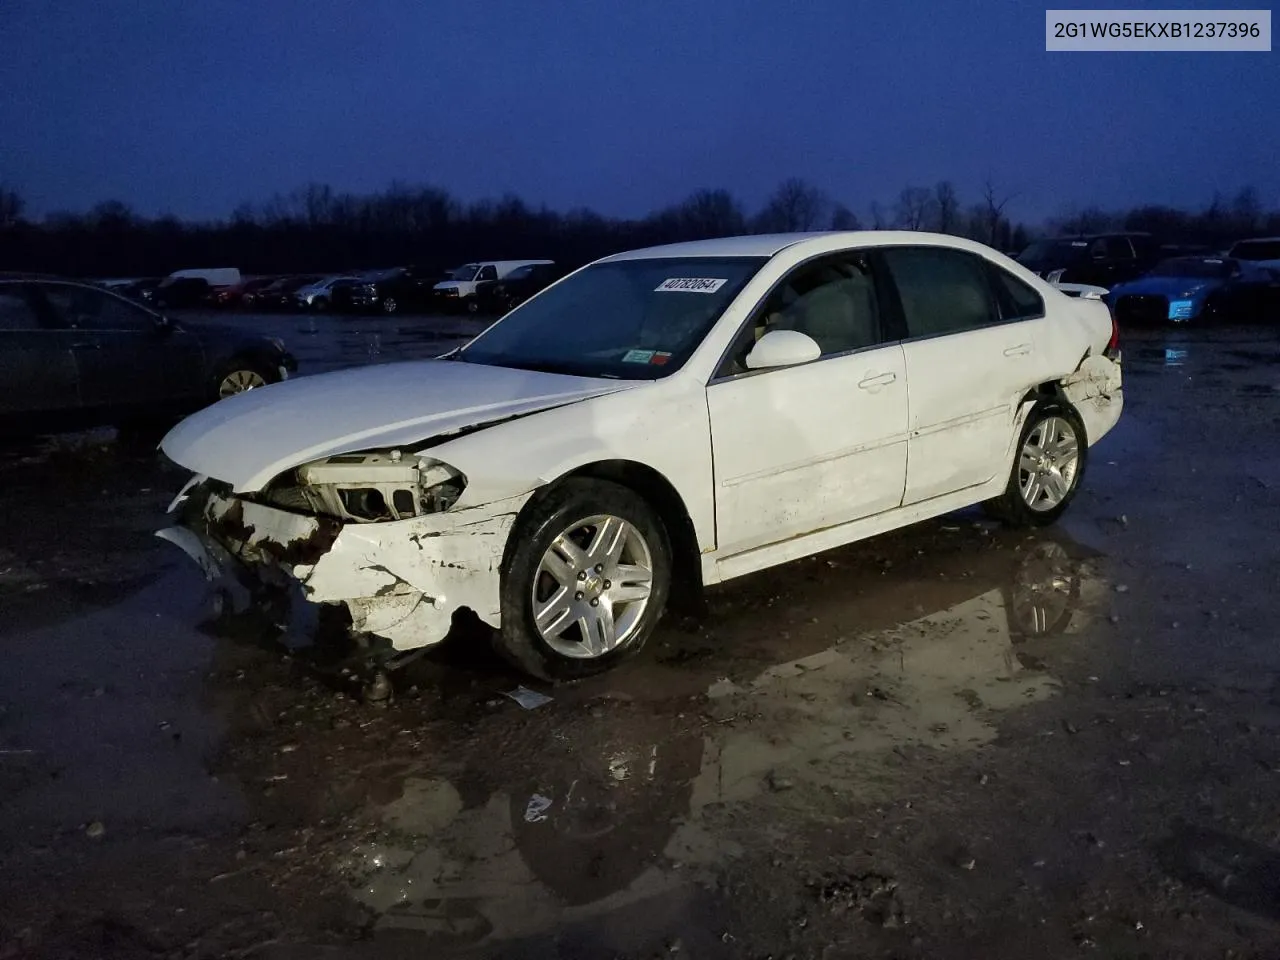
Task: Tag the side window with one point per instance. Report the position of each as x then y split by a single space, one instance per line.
488 272
1018 301
942 290
832 301
86 309
16 312
1117 248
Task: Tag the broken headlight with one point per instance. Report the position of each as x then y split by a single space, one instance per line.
370 487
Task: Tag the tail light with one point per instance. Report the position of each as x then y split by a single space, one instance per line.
1113 345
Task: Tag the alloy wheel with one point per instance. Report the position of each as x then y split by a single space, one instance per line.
592 587
1048 463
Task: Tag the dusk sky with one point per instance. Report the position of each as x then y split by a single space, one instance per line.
192 106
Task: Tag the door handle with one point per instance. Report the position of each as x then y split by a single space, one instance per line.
1021 350
96 344
877 381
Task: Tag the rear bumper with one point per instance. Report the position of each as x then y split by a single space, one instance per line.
400 580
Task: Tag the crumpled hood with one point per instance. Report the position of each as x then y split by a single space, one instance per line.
249 439
1175 288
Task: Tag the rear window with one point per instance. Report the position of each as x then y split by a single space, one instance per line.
1055 251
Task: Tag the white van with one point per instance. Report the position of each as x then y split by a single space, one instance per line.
460 288
216 277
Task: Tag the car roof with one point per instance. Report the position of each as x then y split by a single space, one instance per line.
797 244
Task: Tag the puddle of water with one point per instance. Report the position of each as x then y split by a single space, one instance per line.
607 808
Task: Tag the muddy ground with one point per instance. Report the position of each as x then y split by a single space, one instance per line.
953 741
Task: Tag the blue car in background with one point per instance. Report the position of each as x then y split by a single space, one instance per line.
1198 290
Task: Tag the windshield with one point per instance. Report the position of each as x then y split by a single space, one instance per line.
465 273
629 320
1257 250
376 276
1054 251
1191 267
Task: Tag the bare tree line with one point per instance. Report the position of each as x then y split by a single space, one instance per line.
317 228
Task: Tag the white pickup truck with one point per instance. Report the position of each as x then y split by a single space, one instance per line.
460 289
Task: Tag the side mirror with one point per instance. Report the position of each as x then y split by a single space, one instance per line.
782 348
164 324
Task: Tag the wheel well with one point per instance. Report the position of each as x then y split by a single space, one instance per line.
1050 390
686 573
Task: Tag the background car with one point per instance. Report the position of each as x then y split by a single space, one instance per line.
395 290
1262 251
1196 289
1103 259
183 293
143 289
325 293
75 356
242 294
278 295
500 296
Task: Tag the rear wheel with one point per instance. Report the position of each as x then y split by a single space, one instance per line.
587 582
1047 468
389 305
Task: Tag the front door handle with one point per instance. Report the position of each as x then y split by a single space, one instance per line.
1021 350
877 381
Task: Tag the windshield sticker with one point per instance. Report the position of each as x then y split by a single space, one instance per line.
690 285
660 358
638 356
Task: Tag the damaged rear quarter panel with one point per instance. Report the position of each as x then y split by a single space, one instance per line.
1096 390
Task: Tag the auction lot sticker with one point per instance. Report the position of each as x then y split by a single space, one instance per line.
690 285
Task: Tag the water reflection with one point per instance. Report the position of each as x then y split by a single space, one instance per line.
603 807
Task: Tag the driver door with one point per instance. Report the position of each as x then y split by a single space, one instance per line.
799 449
124 356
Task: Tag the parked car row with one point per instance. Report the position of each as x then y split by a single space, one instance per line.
1150 282
491 287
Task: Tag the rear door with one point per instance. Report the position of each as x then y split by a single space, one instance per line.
37 366
967 365
125 357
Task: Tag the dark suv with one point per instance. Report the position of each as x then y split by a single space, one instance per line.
500 296
395 290
1100 259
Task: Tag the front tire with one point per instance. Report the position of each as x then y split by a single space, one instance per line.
389 305
587 582
1047 469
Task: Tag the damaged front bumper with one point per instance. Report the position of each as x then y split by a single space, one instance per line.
401 580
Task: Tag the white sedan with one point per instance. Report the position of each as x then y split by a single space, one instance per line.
656 421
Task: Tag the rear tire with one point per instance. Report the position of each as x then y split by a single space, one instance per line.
594 559
242 374
1048 465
